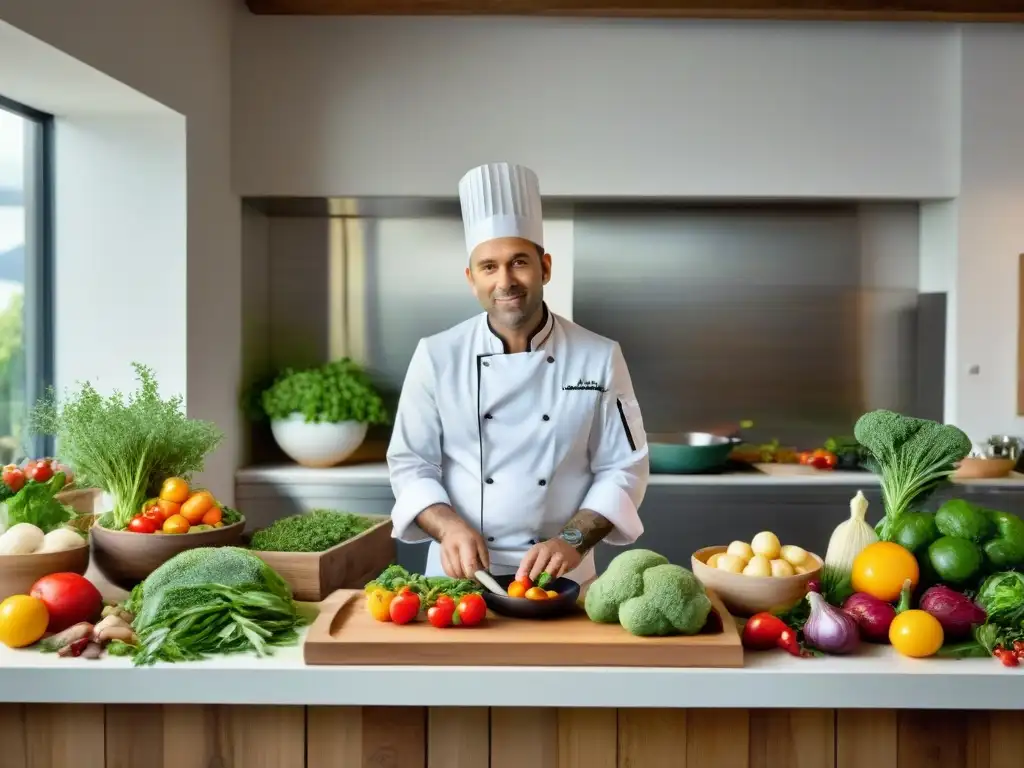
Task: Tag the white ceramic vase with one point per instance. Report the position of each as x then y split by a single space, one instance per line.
317 444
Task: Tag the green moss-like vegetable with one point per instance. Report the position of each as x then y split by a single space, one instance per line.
316 531
648 596
125 446
911 456
337 391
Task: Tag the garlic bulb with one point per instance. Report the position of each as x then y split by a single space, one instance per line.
850 537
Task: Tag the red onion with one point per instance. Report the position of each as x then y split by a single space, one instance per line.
814 585
830 629
873 616
956 612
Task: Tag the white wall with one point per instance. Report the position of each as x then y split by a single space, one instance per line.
329 106
120 239
178 54
990 235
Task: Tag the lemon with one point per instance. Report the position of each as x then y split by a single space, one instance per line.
23 620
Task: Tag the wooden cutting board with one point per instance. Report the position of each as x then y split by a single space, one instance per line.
345 633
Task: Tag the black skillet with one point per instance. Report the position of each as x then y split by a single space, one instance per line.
523 608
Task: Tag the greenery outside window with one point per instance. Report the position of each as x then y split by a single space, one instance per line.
26 274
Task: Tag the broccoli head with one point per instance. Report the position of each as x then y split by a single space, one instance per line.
911 456
648 596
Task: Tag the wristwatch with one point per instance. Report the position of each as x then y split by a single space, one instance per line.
572 536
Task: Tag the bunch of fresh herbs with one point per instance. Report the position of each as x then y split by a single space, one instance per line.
125 446
315 531
334 392
429 588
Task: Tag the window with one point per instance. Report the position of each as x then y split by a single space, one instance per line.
26 274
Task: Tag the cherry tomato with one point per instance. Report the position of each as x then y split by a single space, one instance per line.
805 457
471 610
140 524
14 477
176 524
39 471
536 593
822 459
405 607
762 631
152 510
516 589
378 603
442 613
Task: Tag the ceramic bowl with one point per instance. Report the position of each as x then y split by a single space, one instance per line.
126 558
318 444
521 608
747 595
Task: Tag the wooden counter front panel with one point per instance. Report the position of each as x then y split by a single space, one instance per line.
94 736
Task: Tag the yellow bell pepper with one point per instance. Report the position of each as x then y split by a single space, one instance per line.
379 604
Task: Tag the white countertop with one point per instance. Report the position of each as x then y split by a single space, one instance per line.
877 678
376 473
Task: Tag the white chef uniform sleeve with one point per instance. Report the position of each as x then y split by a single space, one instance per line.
618 457
414 453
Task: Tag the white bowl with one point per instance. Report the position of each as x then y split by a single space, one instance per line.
317 444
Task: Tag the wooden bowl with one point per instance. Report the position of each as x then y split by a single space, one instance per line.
747 595
19 572
974 468
126 558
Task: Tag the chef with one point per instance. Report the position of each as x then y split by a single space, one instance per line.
518 443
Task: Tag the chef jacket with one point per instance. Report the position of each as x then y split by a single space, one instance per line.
517 443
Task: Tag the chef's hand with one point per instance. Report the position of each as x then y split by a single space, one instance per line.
556 556
463 551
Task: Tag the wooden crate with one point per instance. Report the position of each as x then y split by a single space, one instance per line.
349 565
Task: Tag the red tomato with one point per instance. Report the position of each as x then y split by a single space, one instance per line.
13 477
822 459
141 524
69 599
39 471
471 610
442 613
762 631
405 607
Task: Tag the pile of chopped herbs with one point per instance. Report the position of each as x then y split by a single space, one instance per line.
429 588
125 445
211 600
316 531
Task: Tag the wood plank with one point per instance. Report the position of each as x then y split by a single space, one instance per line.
135 736
796 738
191 736
587 738
866 738
64 735
366 737
653 738
345 633
862 10
718 737
522 736
13 736
458 737
929 739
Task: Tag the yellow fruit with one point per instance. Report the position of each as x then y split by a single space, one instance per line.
23 620
881 568
916 634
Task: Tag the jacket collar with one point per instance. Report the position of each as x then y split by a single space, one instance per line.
540 335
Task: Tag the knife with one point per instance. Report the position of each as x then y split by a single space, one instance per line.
488 581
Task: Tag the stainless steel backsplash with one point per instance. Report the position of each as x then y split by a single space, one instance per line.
799 317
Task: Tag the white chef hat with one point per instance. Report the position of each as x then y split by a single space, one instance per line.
501 200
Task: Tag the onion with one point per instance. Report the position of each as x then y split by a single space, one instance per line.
873 616
956 612
830 629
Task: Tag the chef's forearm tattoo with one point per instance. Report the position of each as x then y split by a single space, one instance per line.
593 526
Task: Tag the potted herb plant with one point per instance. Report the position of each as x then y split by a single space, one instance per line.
320 415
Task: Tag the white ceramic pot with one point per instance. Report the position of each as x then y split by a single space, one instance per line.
317 445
